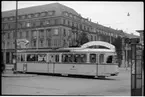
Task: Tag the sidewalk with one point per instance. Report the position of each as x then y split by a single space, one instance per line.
125 69
9 73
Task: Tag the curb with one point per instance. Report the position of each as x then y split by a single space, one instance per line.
17 75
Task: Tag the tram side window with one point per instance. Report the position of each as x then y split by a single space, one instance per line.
101 58
42 57
70 58
64 58
109 59
77 58
57 58
92 58
22 57
32 57
83 58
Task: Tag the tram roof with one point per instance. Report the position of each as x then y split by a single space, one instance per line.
68 50
93 50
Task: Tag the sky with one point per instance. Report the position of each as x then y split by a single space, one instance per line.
110 14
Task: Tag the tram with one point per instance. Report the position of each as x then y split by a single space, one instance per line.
97 62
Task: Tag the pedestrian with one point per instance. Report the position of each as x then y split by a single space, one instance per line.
3 68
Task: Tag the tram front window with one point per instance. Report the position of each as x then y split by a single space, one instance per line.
109 59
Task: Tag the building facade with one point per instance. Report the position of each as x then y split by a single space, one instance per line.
141 36
49 26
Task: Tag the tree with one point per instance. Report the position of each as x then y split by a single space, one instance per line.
118 45
80 39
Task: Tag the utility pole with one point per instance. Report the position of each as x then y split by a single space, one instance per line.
126 56
15 63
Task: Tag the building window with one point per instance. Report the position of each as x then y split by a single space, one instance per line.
27 34
43 14
23 16
48 32
20 33
28 24
6 26
66 14
47 22
11 25
3 44
8 35
74 17
64 21
30 15
41 33
34 42
36 14
23 24
56 31
56 21
72 24
19 25
48 42
71 15
8 44
68 23
52 22
5 19
11 18
41 42
64 32
51 12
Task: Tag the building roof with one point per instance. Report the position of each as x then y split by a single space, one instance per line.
48 7
140 31
131 35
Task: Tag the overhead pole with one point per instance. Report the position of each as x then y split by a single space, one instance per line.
15 63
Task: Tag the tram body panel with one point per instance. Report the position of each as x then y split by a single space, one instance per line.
19 66
86 69
37 67
65 68
80 69
111 68
101 70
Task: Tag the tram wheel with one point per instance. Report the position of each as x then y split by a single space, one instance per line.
101 77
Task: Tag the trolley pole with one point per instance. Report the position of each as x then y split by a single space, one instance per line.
15 63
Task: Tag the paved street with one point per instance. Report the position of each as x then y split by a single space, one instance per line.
57 85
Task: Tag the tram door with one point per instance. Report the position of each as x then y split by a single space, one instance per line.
51 63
